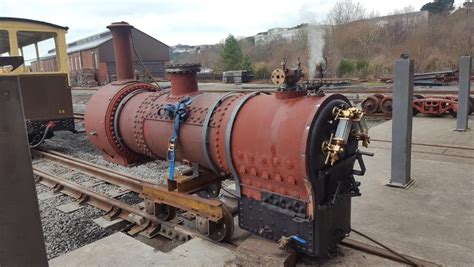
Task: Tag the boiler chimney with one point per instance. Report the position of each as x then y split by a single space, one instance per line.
121 32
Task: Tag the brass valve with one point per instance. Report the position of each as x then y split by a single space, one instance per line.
287 78
351 122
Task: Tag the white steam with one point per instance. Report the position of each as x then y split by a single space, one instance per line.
316 46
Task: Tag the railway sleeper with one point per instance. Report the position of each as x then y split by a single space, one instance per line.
209 217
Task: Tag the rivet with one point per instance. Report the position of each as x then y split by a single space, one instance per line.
276 162
263 160
289 164
242 169
253 171
240 154
251 157
291 180
278 177
265 175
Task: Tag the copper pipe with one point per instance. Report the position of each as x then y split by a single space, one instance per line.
121 32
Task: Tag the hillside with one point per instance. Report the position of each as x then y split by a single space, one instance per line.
364 48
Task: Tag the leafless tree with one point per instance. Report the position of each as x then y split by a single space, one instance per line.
345 11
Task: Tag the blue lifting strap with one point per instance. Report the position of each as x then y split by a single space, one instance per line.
180 114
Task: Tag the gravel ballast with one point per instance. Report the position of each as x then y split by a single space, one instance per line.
64 232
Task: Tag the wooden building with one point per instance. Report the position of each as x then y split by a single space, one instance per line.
96 53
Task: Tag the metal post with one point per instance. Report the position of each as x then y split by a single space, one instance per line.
402 118
21 235
465 68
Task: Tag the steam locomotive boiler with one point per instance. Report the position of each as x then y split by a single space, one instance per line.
291 153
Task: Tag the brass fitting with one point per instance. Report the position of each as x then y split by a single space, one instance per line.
286 77
351 123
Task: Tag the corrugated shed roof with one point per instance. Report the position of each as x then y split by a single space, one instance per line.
83 44
90 42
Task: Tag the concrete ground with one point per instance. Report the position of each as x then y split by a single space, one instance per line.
434 218
122 250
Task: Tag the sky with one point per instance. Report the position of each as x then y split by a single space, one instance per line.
185 21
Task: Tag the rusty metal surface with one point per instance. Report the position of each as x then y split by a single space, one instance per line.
191 184
122 47
105 174
268 146
431 105
99 121
209 208
271 144
93 198
183 78
212 209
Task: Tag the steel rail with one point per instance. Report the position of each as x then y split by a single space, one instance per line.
105 174
79 116
383 253
209 208
429 145
93 198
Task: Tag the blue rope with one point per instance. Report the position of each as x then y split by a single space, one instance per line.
179 112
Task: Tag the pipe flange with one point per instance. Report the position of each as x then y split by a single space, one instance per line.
183 68
112 114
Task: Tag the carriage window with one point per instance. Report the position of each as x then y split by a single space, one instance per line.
4 44
38 50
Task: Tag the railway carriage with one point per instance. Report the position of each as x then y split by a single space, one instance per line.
43 82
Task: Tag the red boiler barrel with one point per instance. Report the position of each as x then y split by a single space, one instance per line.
291 153
260 139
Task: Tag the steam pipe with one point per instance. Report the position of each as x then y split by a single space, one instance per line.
122 49
183 78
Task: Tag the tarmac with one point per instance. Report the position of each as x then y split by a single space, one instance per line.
432 220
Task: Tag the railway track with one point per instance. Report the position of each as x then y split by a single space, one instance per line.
142 221
79 116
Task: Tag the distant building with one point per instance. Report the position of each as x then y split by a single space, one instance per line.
263 38
96 52
406 18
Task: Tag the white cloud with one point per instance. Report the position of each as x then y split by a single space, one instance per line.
184 21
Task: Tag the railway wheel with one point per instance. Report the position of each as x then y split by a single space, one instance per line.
223 230
386 105
415 97
220 231
211 191
370 105
165 212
